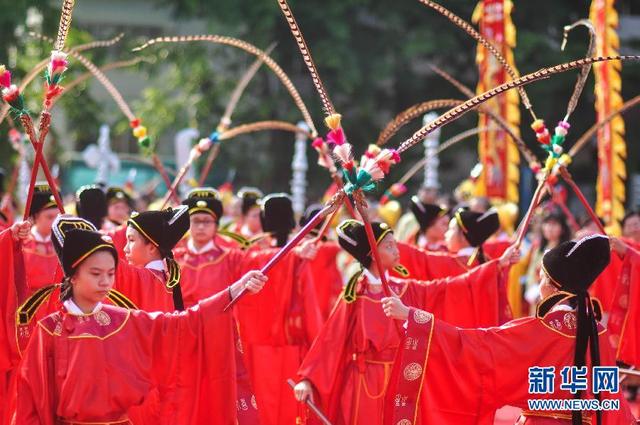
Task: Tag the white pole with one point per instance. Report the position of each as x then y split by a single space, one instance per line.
299 166
431 143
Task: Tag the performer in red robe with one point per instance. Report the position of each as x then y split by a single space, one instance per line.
91 204
323 267
200 255
624 321
433 221
206 269
40 259
465 240
250 226
119 205
349 364
76 371
448 375
154 285
278 329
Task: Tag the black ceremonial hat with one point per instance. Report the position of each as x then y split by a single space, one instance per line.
352 237
277 215
204 200
250 197
42 199
164 228
477 227
426 214
573 266
91 204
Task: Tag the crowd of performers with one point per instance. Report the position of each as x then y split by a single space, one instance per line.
122 313
118 315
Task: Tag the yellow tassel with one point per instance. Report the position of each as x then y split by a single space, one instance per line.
140 131
333 121
565 160
551 162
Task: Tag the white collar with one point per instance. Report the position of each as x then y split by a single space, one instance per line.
371 279
155 265
73 309
38 237
466 251
207 247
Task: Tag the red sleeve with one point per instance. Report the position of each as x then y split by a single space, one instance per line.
35 405
474 299
323 363
119 236
624 322
12 282
143 287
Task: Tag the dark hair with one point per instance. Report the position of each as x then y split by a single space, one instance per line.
559 218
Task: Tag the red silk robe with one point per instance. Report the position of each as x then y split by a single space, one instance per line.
350 361
448 375
76 370
206 273
277 328
41 264
327 277
202 275
427 265
624 321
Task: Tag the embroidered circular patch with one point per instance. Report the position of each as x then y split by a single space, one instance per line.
570 320
102 318
412 372
421 317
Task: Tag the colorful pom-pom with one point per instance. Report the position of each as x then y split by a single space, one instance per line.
144 142
5 77
538 125
336 137
11 94
140 131
398 189
135 123
333 121
557 149
565 160
317 143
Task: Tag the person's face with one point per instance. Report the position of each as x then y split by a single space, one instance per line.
119 211
453 237
552 231
94 278
436 231
631 228
44 219
203 228
252 220
546 287
138 250
388 252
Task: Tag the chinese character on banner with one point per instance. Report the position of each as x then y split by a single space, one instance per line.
574 379
605 379
541 380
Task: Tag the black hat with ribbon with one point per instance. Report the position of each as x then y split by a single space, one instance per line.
204 200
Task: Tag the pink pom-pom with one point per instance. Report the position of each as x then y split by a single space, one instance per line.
398 189
336 136
5 78
317 143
